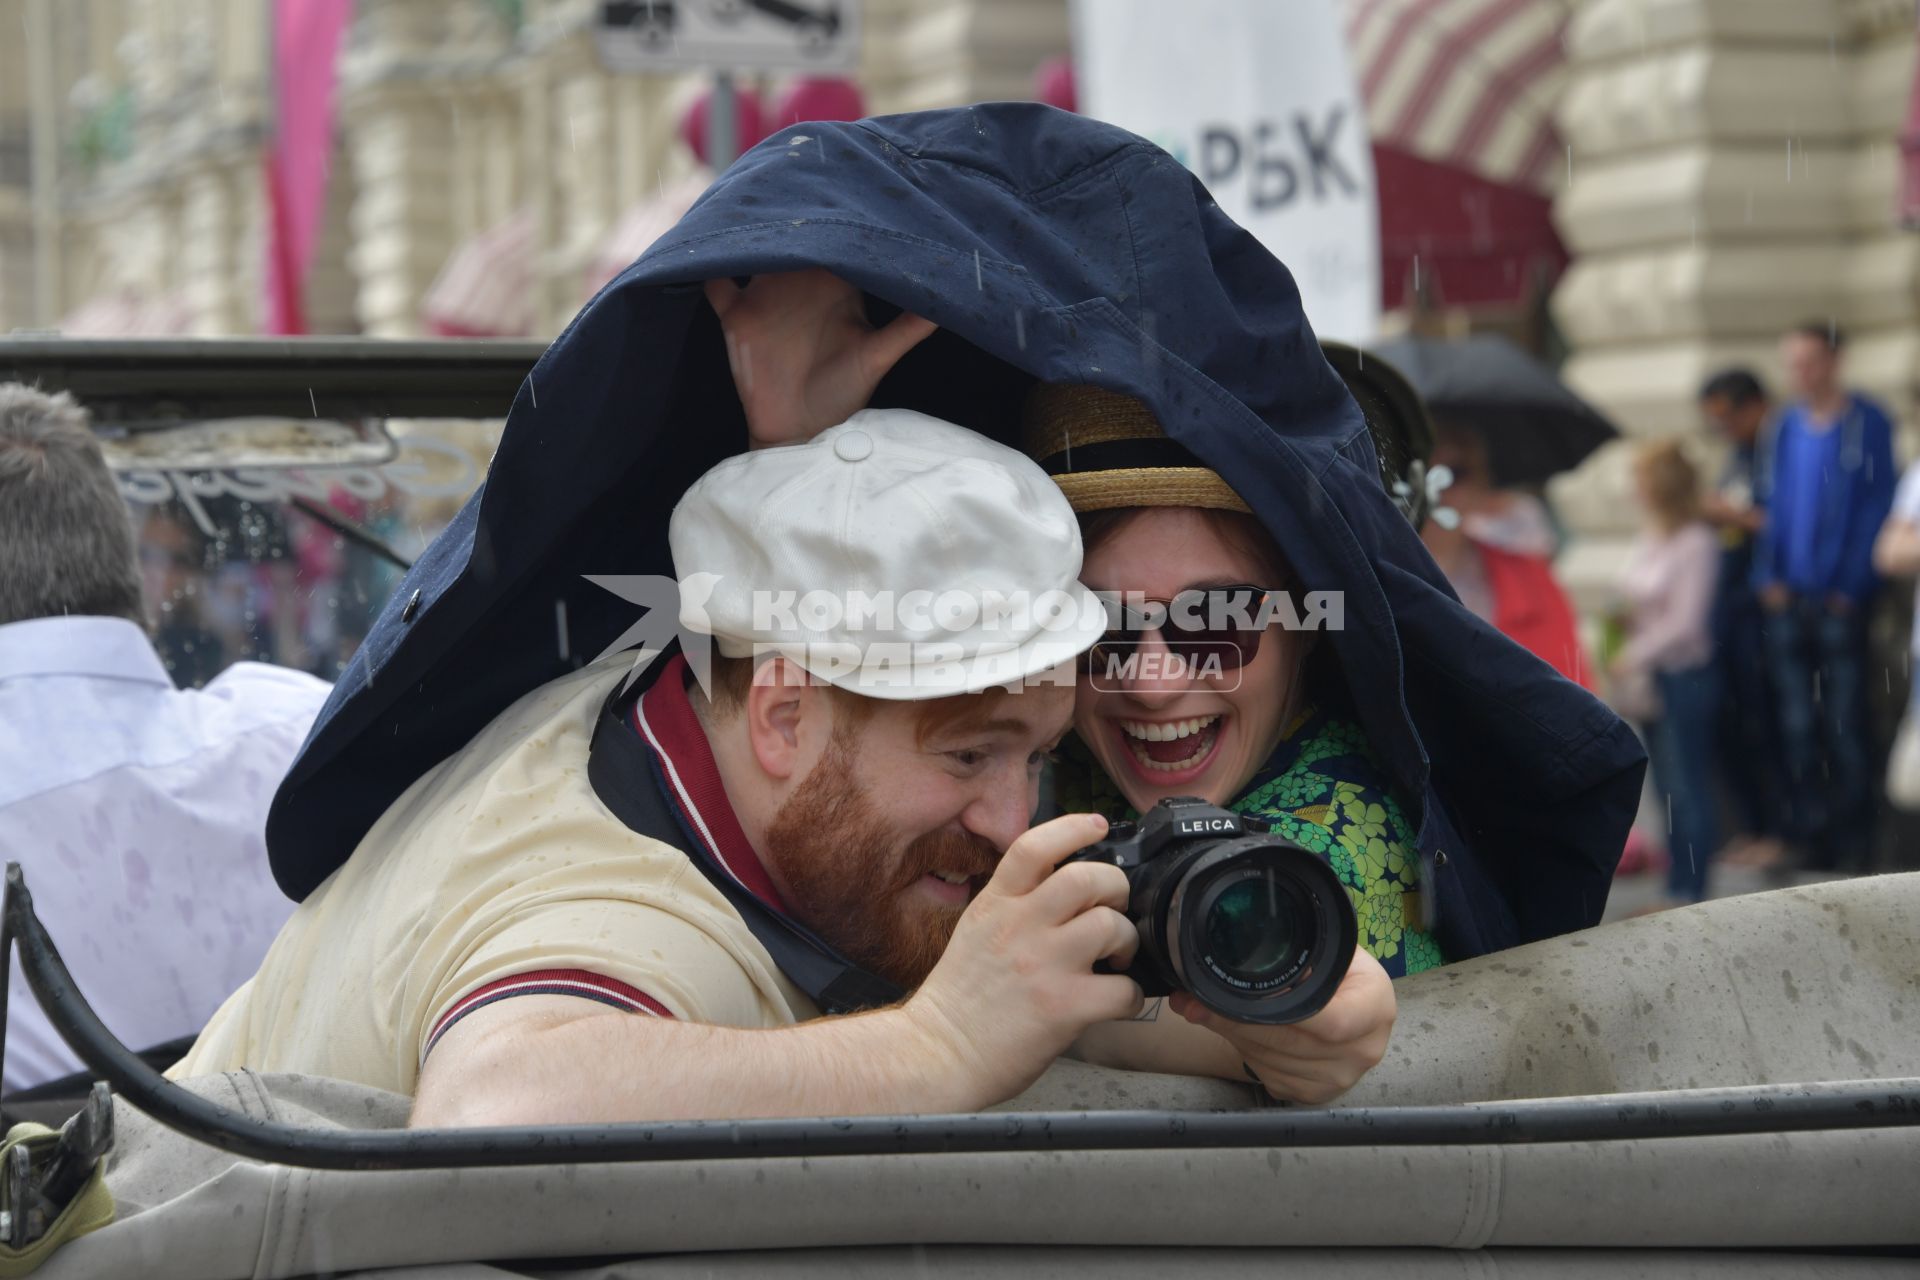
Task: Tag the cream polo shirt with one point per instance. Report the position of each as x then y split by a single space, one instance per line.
501 873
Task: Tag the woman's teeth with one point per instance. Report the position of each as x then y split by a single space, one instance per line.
1202 729
951 877
1168 732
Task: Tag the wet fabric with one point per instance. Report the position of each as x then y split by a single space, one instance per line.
136 810
1047 246
1801 985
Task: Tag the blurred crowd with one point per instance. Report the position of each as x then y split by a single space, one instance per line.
1738 637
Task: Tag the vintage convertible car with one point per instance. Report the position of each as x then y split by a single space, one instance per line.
1729 1088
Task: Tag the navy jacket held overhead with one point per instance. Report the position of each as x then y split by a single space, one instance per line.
1047 246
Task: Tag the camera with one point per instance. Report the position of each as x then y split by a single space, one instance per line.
1256 927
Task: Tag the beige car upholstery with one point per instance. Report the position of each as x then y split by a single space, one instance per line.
1803 985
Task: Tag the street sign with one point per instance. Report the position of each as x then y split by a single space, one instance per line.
1257 99
733 35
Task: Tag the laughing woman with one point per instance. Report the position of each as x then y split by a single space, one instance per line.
1253 718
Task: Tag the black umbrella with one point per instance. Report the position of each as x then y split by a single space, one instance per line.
1534 425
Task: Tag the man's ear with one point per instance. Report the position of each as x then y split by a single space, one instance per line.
782 708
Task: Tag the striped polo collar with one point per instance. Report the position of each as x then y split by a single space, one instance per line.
665 720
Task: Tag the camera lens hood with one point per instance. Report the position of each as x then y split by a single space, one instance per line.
1259 929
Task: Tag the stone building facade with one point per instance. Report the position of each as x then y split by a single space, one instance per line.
155 131
1731 168
454 116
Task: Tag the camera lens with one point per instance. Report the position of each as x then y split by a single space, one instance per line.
1254 927
1258 928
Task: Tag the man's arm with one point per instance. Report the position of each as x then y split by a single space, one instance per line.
1314 1060
1721 513
562 1060
1014 988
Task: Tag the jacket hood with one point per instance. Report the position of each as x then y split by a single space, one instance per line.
1046 246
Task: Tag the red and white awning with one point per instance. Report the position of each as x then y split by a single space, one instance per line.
641 225
486 289
1469 84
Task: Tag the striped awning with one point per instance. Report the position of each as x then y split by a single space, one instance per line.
486 289
641 225
1469 84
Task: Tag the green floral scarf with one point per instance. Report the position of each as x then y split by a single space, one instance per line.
1323 789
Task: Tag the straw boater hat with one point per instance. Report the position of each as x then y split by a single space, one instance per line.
1106 450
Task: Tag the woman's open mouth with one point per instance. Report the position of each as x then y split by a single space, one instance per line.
1164 752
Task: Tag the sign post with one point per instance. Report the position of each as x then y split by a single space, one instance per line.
727 35
1259 100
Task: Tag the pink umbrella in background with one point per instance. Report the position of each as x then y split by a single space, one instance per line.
818 98
1053 84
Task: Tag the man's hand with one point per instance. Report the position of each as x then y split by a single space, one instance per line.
803 356
1896 551
1016 985
1317 1060
1738 515
1774 597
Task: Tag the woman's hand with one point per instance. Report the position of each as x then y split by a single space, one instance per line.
1316 1060
803 356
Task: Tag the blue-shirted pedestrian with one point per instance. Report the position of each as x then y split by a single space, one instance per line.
1832 486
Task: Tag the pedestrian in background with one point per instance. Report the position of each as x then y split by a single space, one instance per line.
1832 485
1736 408
1669 587
137 810
1500 556
1896 553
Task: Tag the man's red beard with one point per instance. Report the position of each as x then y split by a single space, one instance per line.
832 850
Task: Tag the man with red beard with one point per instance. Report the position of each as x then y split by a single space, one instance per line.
804 887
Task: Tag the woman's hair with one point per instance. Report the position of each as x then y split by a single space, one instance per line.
1241 532
1671 482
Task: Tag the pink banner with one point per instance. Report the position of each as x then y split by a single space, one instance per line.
306 47
1910 158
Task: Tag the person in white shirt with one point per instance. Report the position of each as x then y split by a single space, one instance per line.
137 810
1669 585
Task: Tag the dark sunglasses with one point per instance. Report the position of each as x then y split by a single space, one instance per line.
1217 624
